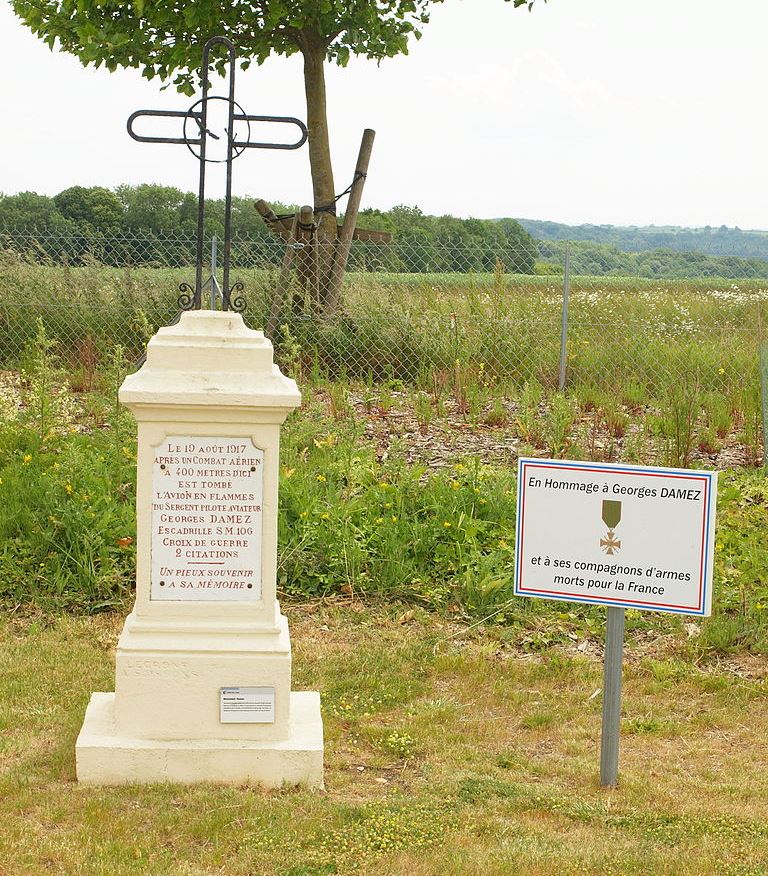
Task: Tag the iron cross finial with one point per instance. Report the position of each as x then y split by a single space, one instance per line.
197 145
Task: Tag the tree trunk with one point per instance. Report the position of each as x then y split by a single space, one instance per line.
317 121
313 50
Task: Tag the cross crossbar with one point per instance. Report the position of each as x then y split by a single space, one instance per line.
198 113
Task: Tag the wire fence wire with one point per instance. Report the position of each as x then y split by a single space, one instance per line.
411 310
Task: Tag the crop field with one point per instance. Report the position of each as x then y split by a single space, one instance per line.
655 371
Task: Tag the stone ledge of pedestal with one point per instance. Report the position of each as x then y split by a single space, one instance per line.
105 757
198 633
275 394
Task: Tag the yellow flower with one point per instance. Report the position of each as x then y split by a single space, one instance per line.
27 458
379 520
68 488
394 519
303 514
721 370
321 478
447 524
325 515
289 472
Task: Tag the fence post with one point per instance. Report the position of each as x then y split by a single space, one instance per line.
764 398
564 322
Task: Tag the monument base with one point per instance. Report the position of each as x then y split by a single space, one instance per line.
104 758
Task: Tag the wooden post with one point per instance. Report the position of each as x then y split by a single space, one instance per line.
285 276
344 241
265 211
306 258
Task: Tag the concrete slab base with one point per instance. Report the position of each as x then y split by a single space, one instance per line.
104 758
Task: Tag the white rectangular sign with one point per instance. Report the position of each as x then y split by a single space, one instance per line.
622 535
247 705
206 519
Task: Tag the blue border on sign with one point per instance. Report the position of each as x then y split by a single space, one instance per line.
618 469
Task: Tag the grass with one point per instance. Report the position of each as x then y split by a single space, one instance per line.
462 724
458 753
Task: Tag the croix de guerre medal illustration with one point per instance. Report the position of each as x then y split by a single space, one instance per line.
611 518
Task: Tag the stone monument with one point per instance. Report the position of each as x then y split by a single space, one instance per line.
203 665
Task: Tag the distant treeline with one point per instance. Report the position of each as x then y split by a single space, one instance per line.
153 224
156 225
720 241
597 259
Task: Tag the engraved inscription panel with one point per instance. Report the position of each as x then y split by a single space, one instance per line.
207 519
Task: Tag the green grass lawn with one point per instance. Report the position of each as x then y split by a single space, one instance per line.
447 752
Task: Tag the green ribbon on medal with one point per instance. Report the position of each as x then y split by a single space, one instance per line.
611 513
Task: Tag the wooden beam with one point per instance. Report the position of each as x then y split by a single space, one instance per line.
350 220
283 280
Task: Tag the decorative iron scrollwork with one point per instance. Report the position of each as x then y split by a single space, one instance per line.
238 303
186 300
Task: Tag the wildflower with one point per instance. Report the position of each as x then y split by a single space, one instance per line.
325 515
289 472
321 477
27 458
303 514
721 370
393 518
379 520
68 488
447 524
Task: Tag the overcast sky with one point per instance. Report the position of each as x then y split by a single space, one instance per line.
604 111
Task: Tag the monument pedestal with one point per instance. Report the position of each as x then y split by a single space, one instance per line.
106 757
203 665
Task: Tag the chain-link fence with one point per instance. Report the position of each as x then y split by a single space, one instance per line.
412 311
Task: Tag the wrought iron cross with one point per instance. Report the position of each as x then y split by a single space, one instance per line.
196 140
